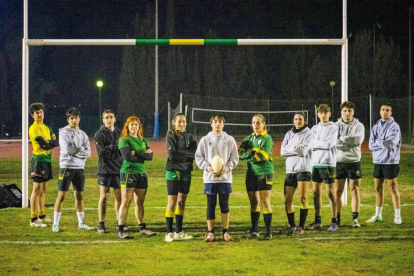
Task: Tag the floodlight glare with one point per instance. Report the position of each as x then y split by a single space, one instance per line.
99 83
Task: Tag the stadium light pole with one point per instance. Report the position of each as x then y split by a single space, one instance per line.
332 84
99 84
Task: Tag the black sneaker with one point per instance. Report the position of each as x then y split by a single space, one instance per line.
268 236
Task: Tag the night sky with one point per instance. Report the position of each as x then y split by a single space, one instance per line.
74 70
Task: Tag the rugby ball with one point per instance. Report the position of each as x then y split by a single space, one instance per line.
217 164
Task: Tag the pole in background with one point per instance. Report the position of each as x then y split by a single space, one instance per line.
100 84
156 116
25 108
332 84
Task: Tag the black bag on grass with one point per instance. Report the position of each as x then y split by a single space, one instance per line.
10 196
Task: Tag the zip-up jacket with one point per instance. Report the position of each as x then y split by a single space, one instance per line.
212 145
385 142
324 138
257 150
74 148
296 148
181 151
110 158
350 137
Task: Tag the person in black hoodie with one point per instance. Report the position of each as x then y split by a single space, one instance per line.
110 162
181 149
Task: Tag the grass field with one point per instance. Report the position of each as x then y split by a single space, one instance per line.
379 249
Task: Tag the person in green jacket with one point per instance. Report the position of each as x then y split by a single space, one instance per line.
257 149
135 150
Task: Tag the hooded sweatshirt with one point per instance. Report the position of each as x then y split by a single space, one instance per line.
74 148
296 148
212 145
324 138
110 158
385 142
350 137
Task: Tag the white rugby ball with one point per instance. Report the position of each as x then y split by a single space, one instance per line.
217 163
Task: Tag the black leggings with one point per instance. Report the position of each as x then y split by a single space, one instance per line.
212 202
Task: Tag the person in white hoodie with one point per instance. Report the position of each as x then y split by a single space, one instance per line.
296 148
74 149
385 143
351 134
217 142
324 136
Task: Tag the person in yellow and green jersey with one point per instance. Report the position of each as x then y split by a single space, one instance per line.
43 141
135 151
257 149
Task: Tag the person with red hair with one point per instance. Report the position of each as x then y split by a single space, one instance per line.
135 150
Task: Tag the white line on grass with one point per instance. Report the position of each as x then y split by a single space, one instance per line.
235 207
60 242
358 238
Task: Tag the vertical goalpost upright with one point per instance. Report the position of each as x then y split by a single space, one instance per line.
26 42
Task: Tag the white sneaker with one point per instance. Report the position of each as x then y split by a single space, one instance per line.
397 220
374 219
37 223
182 236
169 237
355 223
45 220
55 228
84 226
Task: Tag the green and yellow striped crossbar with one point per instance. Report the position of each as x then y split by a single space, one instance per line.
182 42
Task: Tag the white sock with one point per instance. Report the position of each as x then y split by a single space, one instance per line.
81 215
378 211
397 213
56 218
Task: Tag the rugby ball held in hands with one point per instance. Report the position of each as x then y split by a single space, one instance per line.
217 164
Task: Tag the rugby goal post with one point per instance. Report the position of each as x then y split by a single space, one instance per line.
26 42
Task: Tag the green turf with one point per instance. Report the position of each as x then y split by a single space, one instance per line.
379 249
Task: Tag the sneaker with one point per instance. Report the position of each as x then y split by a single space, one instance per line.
124 235
355 223
254 234
45 220
125 228
227 237
397 220
84 226
315 226
37 223
169 237
55 228
374 219
101 230
268 236
299 231
291 231
146 232
333 227
182 236
209 237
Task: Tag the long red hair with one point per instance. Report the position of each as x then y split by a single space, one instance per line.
125 130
